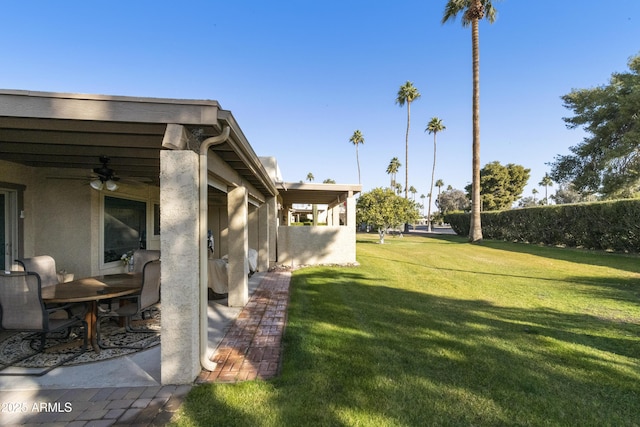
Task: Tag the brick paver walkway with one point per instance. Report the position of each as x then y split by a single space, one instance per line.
251 348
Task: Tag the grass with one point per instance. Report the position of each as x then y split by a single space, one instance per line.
435 331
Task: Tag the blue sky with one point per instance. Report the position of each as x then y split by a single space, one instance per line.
301 76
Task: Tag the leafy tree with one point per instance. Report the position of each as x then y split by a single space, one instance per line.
452 200
474 11
567 193
392 169
329 181
527 202
434 126
383 209
608 160
407 94
546 182
501 185
357 139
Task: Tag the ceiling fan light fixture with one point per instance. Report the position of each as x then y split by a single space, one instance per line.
111 185
96 184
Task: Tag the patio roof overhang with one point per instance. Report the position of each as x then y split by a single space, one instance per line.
319 194
71 131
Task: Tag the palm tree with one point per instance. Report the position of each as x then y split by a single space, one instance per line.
439 183
546 182
392 169
474 11
434 126
310 177
422 196
534 192
407 94
356 139
413 191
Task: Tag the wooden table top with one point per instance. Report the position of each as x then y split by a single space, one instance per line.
93 288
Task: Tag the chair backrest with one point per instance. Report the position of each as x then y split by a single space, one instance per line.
44 265
142 256
150 293
21 306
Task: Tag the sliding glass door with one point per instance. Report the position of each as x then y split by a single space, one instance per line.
8 228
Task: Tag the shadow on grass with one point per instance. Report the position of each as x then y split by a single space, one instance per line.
354 346
361 350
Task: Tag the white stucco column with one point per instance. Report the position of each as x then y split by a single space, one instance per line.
237 199
335 214
350 217
264 212
179 202
274 221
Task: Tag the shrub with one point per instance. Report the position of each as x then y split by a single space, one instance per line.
611 225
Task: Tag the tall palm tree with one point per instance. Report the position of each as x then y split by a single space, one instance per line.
546 182
392 169
422 196
310 177
357 139
474 11
435 125
407 94
413 191
439 183
534 192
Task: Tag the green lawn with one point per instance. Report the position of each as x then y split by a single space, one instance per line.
435 331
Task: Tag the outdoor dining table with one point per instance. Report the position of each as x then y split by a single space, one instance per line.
91 290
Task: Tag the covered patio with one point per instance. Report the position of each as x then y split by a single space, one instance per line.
187 167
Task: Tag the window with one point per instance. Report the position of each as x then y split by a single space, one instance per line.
156 219
125 227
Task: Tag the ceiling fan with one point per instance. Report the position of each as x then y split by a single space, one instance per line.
106 176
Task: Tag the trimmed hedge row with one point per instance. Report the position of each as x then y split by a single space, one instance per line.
613 225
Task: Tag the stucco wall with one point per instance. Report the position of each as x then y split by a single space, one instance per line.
316 245
62 216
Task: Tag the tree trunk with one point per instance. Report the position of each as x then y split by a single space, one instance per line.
433 172
358 161
475 230
406 153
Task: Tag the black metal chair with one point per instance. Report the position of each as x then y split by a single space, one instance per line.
22 310
139 304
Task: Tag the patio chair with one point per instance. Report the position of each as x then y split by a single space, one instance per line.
45 267
147 300
22 310
142 256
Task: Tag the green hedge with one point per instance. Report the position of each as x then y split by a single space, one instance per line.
611 225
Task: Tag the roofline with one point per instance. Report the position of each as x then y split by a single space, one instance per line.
99 97
356 188
241 145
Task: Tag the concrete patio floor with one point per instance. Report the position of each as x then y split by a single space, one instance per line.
124 390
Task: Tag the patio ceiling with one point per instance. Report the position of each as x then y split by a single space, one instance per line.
70 132
320 194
